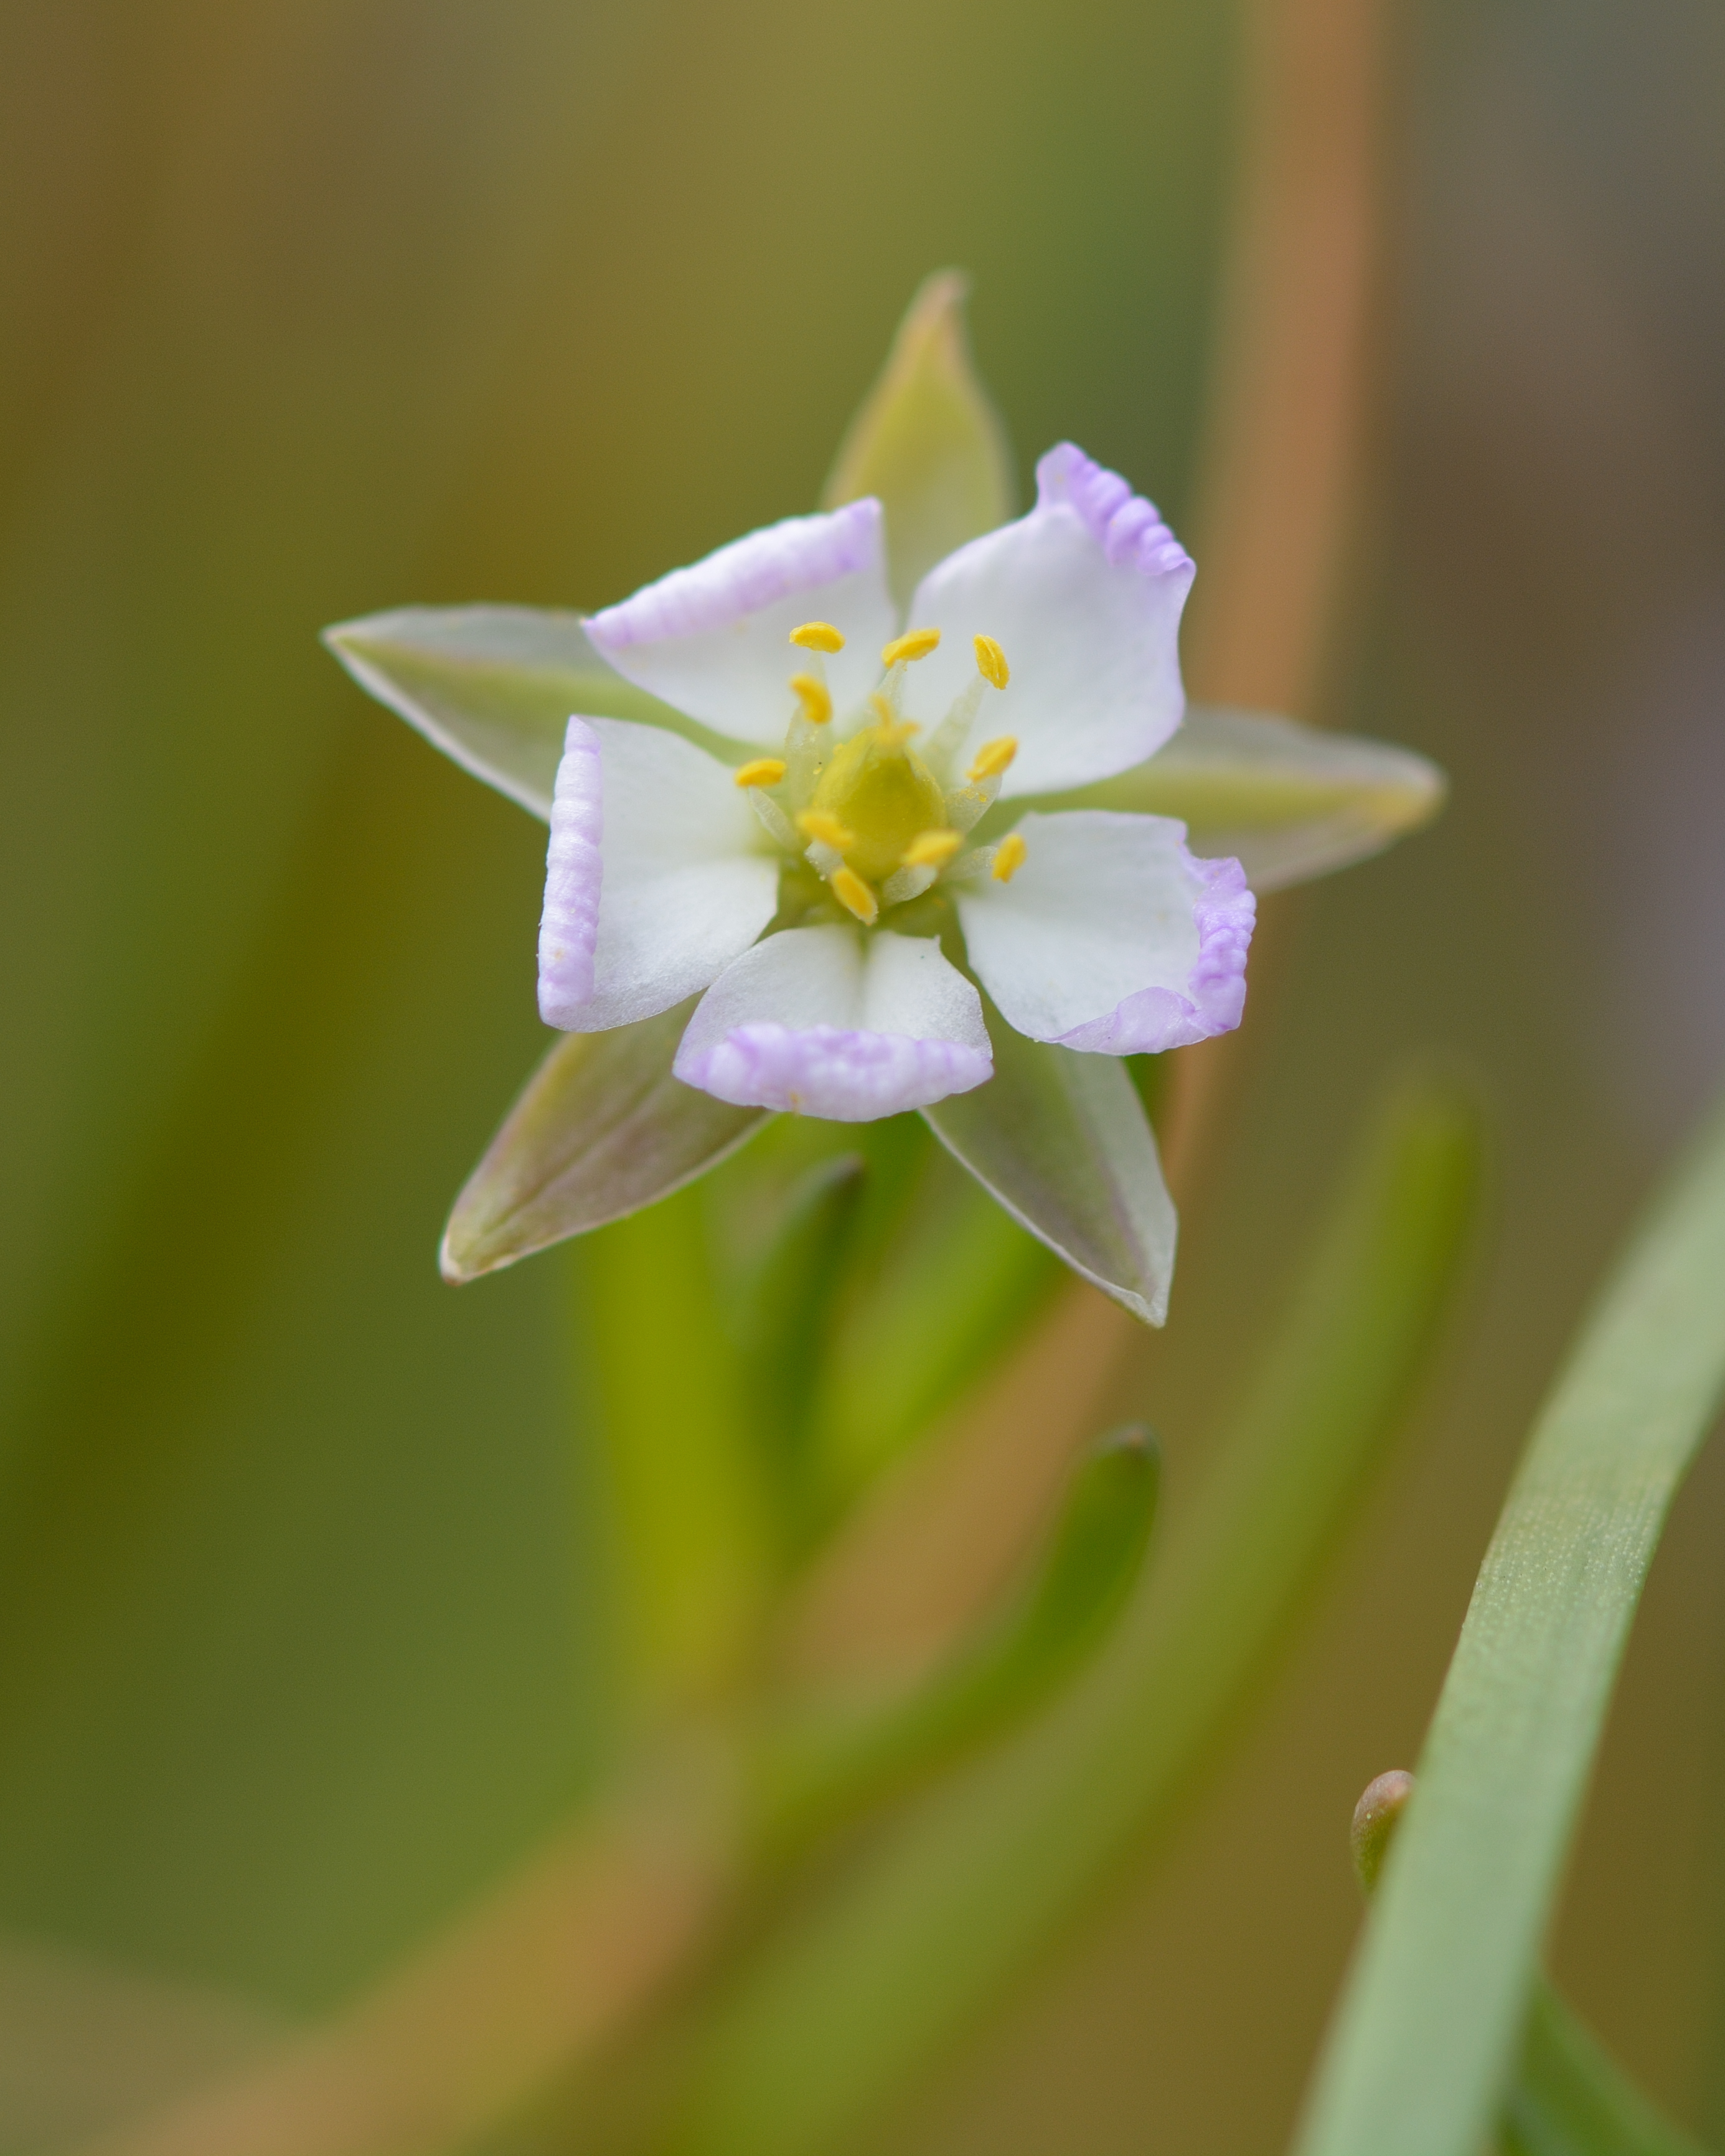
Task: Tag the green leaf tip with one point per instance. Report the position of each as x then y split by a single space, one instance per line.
601 1129
928 441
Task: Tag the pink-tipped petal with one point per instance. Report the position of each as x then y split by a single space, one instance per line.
686 884
1112 937
1084 596
828 1022
713 639
569 924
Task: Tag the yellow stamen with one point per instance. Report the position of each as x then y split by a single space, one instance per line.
761 771
991 661
816 824
931 850
818 636
1008 858
812 695
892 731
993 758
853 894
914 644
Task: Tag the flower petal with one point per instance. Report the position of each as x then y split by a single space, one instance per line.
655 879
1111 937
828 1022
713 639
1084 595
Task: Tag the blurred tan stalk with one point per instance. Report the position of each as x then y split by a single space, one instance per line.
552 1969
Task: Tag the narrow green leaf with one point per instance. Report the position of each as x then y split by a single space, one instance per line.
787 1328
862 1991
1062 1142
928 441
824 1769
601 1129
494 686
1289 802
1570 2098
692 1510
1425 2037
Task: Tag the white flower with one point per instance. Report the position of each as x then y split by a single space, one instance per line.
828 886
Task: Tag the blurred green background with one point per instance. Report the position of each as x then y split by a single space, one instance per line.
307 310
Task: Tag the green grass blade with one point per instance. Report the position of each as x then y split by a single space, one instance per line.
1571 2098
1425 2038
858 1994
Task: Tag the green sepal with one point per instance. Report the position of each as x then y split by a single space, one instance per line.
495 687
1288 802
826 1768
601 1129
1062 1142
927 442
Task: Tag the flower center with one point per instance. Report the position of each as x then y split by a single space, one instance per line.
882 795
878 821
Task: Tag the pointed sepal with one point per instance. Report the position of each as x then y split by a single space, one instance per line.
495 687
1061 1140
928 441
601 1129
1288 802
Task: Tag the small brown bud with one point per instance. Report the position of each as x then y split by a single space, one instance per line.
1375 1818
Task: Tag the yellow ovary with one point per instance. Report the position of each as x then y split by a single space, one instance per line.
1008 858
761 771
884 797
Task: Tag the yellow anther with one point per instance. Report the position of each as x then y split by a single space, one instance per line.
818 636
812 696
931 850
991 661
914 644
816 824
891 731
855 895
1008 858
761 771
993 758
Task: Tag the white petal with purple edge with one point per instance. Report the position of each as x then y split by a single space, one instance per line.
834 1022
1112 937
714 640
653 844
1084 596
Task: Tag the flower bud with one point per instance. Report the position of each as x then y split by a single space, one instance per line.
1375 1818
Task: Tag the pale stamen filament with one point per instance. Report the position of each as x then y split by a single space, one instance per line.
950 736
